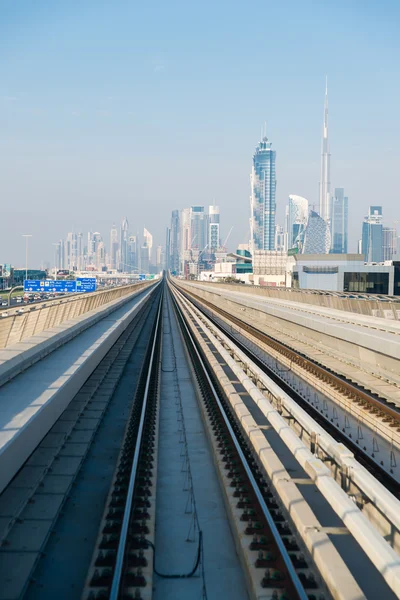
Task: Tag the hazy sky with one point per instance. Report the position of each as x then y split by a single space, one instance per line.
125 108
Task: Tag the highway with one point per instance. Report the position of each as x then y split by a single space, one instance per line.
177 447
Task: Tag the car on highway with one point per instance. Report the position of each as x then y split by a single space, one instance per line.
4 303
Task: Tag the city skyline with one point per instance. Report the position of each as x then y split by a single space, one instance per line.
81 143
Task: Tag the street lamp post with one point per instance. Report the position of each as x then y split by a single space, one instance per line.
26 236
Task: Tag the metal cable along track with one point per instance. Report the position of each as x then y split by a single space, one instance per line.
271 535
119 559
361 397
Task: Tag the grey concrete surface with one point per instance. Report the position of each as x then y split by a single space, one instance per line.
31 402
174 554
61 572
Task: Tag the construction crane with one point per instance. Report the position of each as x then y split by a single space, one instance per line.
227 238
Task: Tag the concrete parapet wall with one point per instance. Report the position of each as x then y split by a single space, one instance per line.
361 343
20 356
40 317
36 412
374 308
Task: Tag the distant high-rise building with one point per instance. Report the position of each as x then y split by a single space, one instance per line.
372 235
213 228
339 222
324 183
185 239
79 251
60 255
317 238
296 220
93 239
280 239
71 252
172 250
148 242
389 243
159 258
124 245
132 254
144 258
100 255
198 231
168 248
262 199
113 247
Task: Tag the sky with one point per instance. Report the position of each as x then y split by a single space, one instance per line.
124 108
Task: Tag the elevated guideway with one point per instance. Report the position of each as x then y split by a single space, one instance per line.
183 467
41 375
362 347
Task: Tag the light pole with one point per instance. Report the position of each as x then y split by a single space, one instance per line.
26 236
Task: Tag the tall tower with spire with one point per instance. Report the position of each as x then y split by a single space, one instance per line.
325 183
262 199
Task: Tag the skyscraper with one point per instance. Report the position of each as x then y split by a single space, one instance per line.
325 184
144 258
168 248
317 238
262 199
339 222
113 246
198 232
172 250
389 243
79 251
213 228
159 258
296 220
280 239
372 235
124 245
148 242
132 254
185 239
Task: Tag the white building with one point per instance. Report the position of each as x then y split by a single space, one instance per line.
213 228
342 273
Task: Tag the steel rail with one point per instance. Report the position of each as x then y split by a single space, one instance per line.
323 373
302 595
119 563
374 543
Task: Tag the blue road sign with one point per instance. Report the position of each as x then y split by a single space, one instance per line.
142 276
86 284
33 285
50 286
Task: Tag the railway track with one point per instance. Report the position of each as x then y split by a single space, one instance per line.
123 561
47 487
283 541
368 405
373 500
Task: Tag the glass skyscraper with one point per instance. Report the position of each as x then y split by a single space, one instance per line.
296 221
174 243
198 229
389 243
339 222
317 238
372 235
262 200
